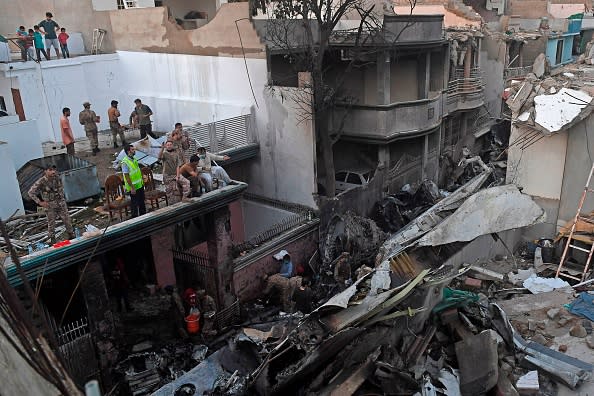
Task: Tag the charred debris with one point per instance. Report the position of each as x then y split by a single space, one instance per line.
409 320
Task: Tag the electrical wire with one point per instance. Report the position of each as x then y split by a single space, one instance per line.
245 60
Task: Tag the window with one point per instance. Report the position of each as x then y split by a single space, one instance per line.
2 103
559 54
125 4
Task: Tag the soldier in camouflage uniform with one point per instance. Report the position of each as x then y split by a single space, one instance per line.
89 119
284 287
51 190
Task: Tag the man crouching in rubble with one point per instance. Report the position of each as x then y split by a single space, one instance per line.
283 287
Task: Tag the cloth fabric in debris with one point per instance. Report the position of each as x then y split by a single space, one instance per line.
537 284
583 306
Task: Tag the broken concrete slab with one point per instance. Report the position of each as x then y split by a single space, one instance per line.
488 211
527 384
578 331
539 65
477 359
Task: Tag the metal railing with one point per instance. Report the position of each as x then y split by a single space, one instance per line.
221 135
193 268
461 85
72 331
277 229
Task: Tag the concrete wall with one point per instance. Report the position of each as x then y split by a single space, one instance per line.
259 217
22 143
539 168
160 34
580 156
75 16
404 79
190 89
10 194
286 168
492 61
46 88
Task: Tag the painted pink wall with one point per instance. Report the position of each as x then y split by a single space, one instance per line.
161 243
248 281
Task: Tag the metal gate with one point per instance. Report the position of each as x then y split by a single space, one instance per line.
77 351
193 269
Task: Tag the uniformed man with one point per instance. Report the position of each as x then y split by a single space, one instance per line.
172 162
133 183
51 190
208 308
283 287
89 119
143 114
114 124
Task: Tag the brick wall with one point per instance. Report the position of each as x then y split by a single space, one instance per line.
248 281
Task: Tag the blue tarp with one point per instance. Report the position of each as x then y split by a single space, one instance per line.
583 306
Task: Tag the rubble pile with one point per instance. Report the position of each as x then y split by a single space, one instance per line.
30 230
549 104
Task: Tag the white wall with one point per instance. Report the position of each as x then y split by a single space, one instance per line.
286 167
10 194
190 88
22 141
538 168
47 87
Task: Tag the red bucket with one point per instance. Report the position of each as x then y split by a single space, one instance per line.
193 323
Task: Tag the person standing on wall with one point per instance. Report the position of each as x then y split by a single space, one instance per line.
51 190
50 27
89 119
38 42
67 135
114 124
144 113
63 39
133 181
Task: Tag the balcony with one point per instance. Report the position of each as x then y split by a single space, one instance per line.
465 93
386 123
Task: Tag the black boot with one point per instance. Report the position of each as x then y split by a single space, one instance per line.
115 145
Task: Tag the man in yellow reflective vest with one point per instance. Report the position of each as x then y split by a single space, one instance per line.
133 181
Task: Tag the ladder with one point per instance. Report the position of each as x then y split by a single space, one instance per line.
98 35
569 244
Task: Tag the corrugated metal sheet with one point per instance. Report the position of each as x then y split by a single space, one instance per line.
78 176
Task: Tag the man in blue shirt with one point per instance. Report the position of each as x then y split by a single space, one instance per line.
286 269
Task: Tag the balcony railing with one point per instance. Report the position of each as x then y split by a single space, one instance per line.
223 135
383 123
465 92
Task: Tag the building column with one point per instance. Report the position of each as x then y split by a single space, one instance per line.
427 77
219 252
162 243
446 70
425 157
383 88
383 77
101 323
